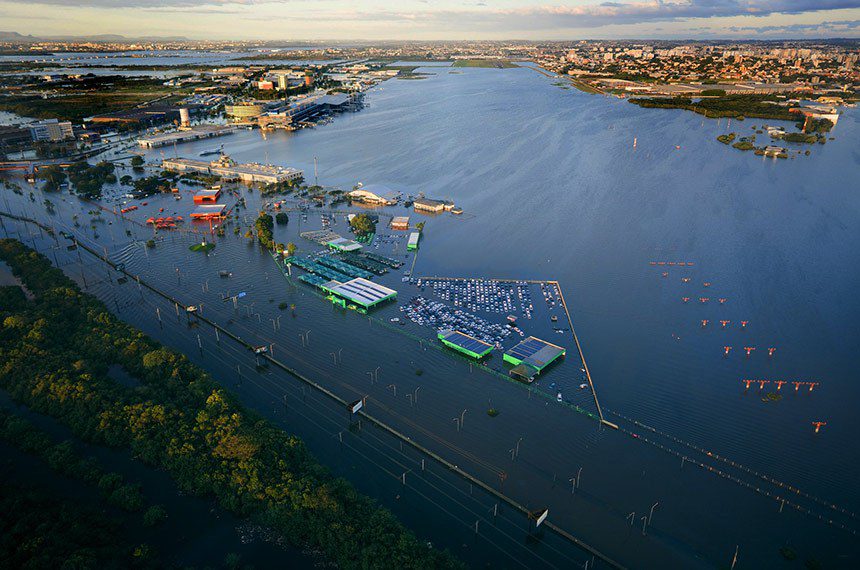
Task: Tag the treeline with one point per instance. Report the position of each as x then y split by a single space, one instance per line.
264 226
87 180
39 529
55 351
731 106
64 459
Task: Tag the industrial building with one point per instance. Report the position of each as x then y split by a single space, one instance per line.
51 130
412 244
375 194
209 212
465 344
358 291
184 135
244 112
400 223
531 356
149 115
343 244
225 167
207 196
432 206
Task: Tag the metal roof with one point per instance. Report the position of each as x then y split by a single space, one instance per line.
361 291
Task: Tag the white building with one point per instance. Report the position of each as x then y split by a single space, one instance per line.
51 130
375 194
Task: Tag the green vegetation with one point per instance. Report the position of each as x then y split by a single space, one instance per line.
803 138
713 93
744 145
264 225
154 515
45 530
151 185
362 225
137 162
204 247
818 126
726 139
281 218
89 180
732 106
55 352
93 95
496 63
53 175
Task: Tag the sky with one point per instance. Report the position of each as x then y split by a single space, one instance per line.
435 19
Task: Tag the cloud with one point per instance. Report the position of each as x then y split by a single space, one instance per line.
603 14
475 17
819 28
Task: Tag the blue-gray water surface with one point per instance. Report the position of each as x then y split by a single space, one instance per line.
553 188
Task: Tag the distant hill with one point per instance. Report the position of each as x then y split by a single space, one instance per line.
15 37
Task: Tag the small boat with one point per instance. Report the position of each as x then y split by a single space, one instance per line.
583 386
261 350
191 309
558 397
395 320
150 221
554 319
225 273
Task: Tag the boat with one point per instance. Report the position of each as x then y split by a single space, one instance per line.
191 309
583 386
225 273
558 397
261 350
395 320
210 152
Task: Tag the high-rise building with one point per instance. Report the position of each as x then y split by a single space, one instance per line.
184 117
51 130
283 82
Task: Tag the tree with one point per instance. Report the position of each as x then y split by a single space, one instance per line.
281 218
53 176
137 162
154 515
264 225
291 249
362 224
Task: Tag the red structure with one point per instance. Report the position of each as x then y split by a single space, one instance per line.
727 350
749 349
818 425
209 212
207 196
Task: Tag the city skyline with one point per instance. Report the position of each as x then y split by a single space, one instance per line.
435 20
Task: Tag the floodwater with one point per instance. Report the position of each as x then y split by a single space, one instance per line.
553 189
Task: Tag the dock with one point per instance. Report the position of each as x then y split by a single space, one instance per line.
185 135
